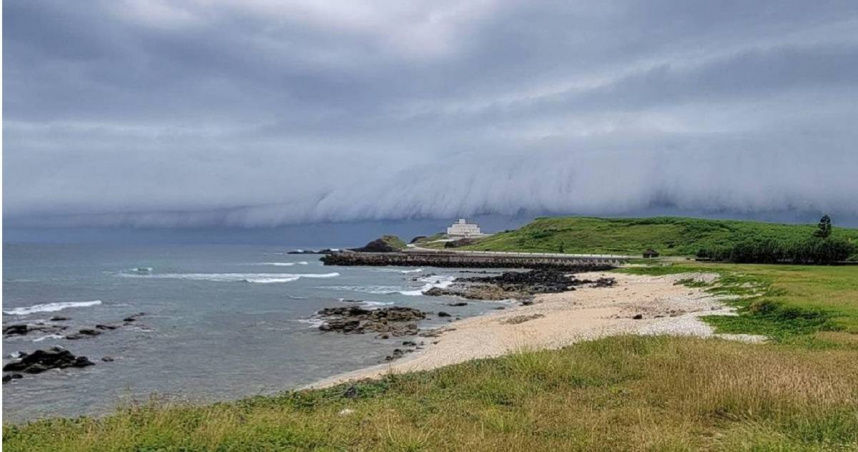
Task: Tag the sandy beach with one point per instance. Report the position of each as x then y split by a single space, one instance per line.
635 305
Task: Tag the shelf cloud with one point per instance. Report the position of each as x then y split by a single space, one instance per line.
261 113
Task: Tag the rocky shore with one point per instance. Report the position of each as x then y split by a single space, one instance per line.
518 285
39 360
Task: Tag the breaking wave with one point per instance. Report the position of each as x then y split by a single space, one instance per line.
260 278
51 307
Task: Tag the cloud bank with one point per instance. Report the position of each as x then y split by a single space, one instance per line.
259 113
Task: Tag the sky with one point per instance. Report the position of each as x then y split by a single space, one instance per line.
237 113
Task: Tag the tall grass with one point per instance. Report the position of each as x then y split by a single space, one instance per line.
630 393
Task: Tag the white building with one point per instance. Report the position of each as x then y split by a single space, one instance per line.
462 228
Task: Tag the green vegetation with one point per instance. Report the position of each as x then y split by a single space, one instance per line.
670 236
799 392
795 304
620 393
393 241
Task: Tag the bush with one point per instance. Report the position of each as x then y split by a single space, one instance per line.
814 250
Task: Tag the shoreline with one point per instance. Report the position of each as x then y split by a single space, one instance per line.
637 304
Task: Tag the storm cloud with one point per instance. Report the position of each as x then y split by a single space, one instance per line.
257 112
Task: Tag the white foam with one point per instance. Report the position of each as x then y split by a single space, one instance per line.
50 336
441 282
261 278
374 304
51 307
417 270
314 323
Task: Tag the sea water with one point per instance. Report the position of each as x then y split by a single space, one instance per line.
221 321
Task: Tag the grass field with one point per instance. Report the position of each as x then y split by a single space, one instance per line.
670 236
799 392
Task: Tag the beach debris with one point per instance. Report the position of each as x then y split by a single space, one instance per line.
346 412
42 360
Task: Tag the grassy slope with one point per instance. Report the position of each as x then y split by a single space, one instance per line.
671 236
628 393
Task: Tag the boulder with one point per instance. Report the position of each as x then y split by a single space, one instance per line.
42 360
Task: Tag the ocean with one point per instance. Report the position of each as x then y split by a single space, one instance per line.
220 322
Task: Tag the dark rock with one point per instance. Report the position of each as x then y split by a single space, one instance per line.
42 360
461 303
107 359
393 321
106 327
443 314
637 316
88 332
526 302
59 318
16 330
133 318
499 308
22 329
351 392
397 353
409 343
9 377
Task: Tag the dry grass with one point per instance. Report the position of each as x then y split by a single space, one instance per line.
628 393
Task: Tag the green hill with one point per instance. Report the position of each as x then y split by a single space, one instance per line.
670 236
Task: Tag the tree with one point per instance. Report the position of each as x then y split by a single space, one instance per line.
824 227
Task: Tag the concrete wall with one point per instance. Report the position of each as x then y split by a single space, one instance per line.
464 259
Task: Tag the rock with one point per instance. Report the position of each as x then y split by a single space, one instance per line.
16 330
409 343
351 392
42 360
9 377
393 321
637 316
133 318
107 359
397 353
22 329
88 332
385 244
515 320
526 302
499 308
101 326
59 318
461 303
443 314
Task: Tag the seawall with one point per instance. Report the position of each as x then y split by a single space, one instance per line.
474 259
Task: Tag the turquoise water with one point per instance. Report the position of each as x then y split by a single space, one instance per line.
221 322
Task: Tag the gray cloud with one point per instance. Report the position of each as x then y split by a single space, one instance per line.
247 113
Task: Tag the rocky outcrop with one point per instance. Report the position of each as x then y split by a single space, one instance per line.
516 285
42 360
388 322
22 329
385 244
